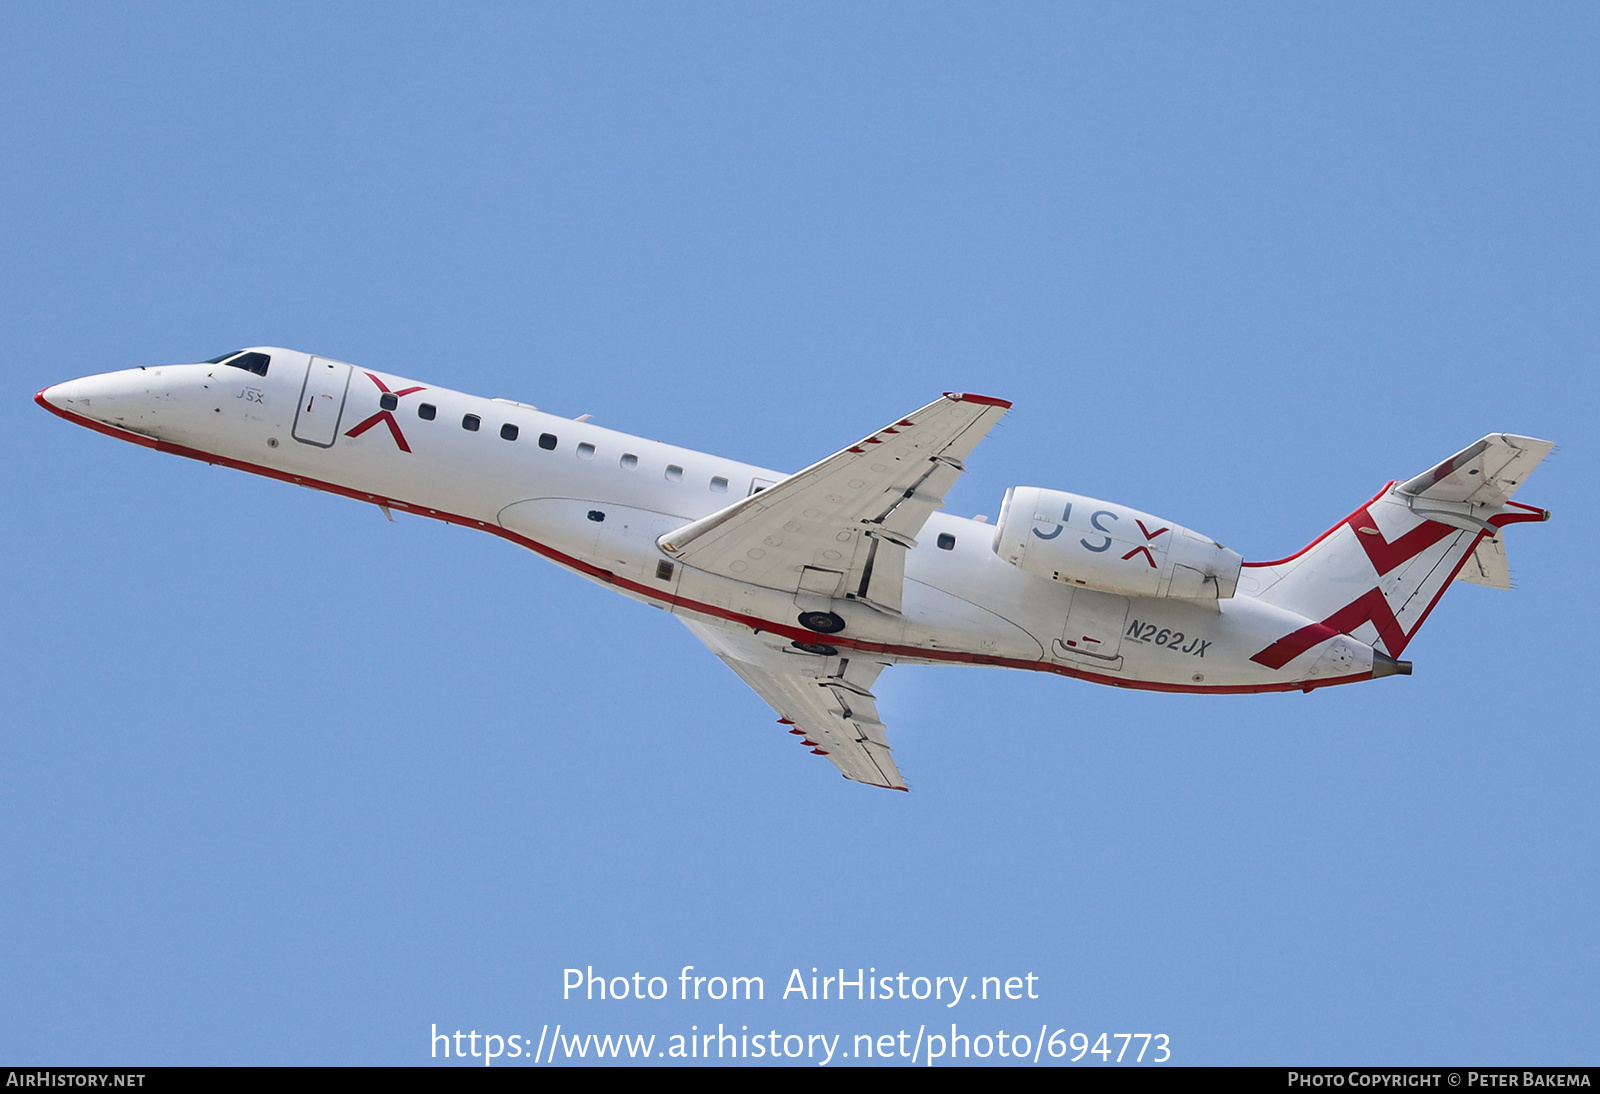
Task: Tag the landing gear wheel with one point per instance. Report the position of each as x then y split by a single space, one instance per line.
821 622
816 647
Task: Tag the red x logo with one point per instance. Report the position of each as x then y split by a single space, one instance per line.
1148 535
384 416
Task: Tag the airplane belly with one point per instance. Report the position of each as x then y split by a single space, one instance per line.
619 540
934 625
1174 644
1142 641
935 619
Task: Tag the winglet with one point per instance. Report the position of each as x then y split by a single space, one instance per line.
983 400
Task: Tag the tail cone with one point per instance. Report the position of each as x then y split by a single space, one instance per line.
1384 665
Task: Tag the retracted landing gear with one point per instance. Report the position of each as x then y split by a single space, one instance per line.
821 622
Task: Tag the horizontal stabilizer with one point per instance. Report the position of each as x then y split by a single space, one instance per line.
1485 473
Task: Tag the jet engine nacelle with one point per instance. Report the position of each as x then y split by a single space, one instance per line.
1082 541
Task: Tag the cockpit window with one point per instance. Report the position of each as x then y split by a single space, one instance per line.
255 362
250 362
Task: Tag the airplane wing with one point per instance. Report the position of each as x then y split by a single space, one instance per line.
1486 473
824 700
841 528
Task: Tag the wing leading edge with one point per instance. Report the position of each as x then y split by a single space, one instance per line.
841 527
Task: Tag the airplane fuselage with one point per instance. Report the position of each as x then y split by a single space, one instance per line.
596 501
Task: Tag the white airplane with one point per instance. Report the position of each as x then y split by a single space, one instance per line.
808 585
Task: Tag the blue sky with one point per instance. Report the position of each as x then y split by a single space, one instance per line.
281 782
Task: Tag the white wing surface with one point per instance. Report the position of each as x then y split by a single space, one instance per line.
824 700
841 528
1485 473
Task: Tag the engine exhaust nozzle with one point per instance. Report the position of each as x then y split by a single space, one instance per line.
1384 665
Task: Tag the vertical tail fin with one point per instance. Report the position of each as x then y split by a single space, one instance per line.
1378 573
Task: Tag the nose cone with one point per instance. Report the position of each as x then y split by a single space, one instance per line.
56 397
125 401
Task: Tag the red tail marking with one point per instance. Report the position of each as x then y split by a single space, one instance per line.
1148 556
1369 607
1148 534
1531 512
1387 555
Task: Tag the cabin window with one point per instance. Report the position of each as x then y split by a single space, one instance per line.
427 412
946 541
596 515
629 461
388 400
586 451
508 432
674 473
471 422
547 441
719 485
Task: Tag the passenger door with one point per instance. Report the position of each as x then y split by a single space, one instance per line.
316 419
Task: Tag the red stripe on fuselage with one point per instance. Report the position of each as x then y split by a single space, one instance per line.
99 427
577 565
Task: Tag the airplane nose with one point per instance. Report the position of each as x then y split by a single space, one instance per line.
56 396
125 400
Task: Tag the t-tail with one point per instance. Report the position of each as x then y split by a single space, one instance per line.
1377 574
